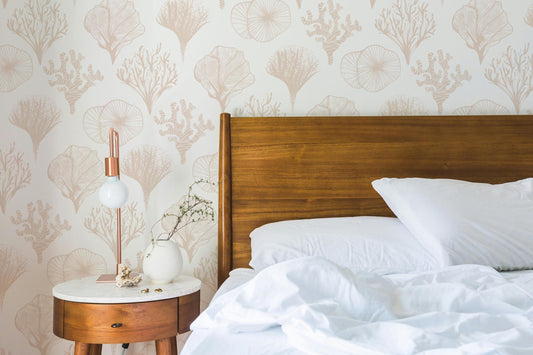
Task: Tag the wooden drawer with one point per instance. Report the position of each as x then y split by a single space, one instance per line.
115 323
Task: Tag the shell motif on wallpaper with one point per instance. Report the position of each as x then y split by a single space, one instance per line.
372 69
206 168
77 264
334 106
125 118
15 68
261 20
482 107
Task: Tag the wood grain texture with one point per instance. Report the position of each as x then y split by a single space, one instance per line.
87 349
189 309
167 346
278 168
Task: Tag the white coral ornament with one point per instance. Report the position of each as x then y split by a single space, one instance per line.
126 278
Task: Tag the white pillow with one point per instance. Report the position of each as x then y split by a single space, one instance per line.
464 222
374 244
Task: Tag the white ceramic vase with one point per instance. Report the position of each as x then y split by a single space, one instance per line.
162 261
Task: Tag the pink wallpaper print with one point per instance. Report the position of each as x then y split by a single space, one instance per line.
160 72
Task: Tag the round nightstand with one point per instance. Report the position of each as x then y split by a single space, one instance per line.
92 314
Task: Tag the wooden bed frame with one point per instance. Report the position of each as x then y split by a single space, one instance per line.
278 168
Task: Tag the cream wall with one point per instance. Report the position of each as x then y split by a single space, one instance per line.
70 68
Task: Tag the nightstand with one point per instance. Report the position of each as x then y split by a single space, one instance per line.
93 314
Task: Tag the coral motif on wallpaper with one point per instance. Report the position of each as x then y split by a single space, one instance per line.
114 24
77 264
261 20
71 78
77 173
334 106
259 107
224 73
14 174
513 74
15 68
40 23
125 118
37 226
33 321
482 24
149 73
408 23
294 66
148 165
404 106
183 18
13 265
37 116
528 19
328 28
183 132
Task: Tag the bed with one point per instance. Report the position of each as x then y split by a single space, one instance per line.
275 169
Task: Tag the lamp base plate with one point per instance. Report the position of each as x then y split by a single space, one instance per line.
106 278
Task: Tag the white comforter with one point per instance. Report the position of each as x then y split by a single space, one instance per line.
325 309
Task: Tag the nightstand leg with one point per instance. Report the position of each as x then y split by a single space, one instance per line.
87 349
167 346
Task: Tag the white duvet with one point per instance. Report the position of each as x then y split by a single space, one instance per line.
324 309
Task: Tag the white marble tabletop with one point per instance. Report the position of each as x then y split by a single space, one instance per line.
88 291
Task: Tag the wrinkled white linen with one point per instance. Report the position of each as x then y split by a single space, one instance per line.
325 309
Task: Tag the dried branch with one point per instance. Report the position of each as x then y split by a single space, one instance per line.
408 24
114 24
294 66
12 265
40 23
37 116
71 79
331 32
184 133
149 73
148 166
14 174
182 18
38 227
205 168
103 223
437 79
513 73
256 107
33 321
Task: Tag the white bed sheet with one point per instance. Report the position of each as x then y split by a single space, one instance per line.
466 309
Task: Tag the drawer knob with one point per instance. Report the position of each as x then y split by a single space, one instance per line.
116 325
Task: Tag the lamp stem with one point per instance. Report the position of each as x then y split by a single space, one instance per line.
119 239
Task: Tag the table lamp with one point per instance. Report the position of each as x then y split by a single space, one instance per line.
113 194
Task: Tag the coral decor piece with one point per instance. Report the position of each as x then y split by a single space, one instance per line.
482 107
15 68
150 74
126 278
39 227
328 28
102 222
37 116
261 20
224 73
438 77
255 107
148 166
40 23
124 118
77 264
482 24
183 132
70 77
14 174
77 173
114 24
33 321
334 106
513 74
408 23
294 66
13 265
183 18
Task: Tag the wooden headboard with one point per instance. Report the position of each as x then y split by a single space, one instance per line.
278 168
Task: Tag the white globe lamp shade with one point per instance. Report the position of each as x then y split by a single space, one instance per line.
113 193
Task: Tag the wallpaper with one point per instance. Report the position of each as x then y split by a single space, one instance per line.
160 72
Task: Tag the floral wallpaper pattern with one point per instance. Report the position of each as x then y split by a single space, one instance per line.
160 72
